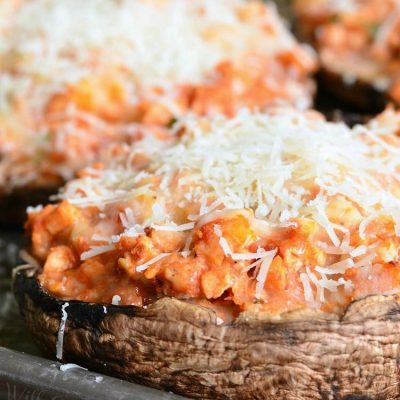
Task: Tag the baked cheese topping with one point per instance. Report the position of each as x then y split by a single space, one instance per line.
267 212
76 75
357 39
158 42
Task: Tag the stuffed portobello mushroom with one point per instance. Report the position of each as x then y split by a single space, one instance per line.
359 48
258 257
77 78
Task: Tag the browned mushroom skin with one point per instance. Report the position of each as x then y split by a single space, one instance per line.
360 95
178 346
13 205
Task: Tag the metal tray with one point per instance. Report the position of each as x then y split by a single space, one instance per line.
23 376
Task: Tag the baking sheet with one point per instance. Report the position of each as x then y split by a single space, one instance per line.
24 376
13 334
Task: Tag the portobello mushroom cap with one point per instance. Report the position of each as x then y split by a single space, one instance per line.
13 204
359 94
177 346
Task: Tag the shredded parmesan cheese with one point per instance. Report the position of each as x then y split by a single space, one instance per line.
263 272
51 38
115 300
364 224
143 267
61 329
358 251
337 268
31 209
366 260
238 256
308 292
174 228
295 149
97 250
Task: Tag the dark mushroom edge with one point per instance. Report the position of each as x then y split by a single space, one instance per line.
13 204
359 95
177 346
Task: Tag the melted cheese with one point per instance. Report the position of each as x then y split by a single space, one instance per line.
157 43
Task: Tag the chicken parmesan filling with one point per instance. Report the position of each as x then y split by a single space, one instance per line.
78 76
260 212
358 39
